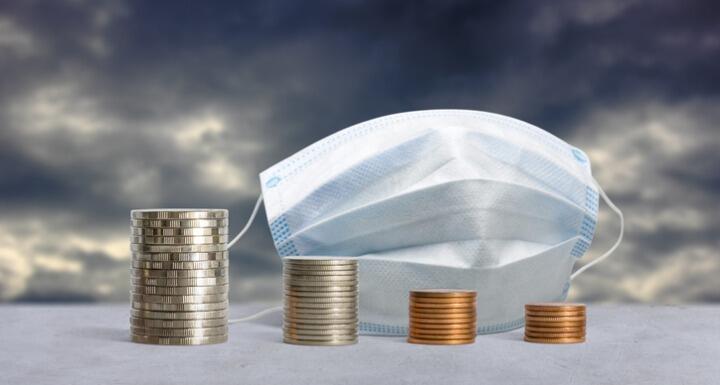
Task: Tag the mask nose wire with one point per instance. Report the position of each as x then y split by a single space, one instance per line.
249 222
619 239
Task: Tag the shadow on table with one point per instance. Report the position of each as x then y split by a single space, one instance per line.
103 333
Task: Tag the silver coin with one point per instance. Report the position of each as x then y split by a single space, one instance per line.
320 273
320 289
292 341
314 326
178 232
191 315
179 214
306 305
325 340
205 273
330 318
180 306
307 300
301 295
177 324
192 332
181 290
305 261
208 240
143 248
328 311
181 257
179 223
150 298
317 332
300 267
178 281
178 265
179 340
319 321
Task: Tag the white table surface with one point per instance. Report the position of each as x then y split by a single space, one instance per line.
89 344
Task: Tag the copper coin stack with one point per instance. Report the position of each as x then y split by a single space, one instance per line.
321 301
179 276
442 317
555 323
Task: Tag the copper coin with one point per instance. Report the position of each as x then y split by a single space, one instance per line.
421 311
554 335
417 316
574 340
555 329
414 340
425 321
555 306
443 293
555 313
443 305
555 319
442 301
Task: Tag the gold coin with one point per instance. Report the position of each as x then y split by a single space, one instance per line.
180 306
193 332
179 223
178 232
210 248
554 335
441 301
176 265
555 306
180 257
443 336
555 324
454 329
151 298
424 341
179 240
554 319
443 293
179 281
572 340
422 311
177 324
555 329
181 290
179 214
554 314
179 340
191 315
423 307
426 321
205 273
453 316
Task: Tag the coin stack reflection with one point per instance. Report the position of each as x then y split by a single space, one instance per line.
442 317
555 323
321 301
179 276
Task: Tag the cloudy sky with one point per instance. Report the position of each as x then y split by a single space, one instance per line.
109 106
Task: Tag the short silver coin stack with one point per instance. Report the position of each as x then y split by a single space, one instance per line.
321 301
179 276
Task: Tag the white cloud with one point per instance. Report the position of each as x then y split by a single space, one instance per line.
16 40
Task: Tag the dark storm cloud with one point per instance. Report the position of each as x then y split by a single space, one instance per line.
108 106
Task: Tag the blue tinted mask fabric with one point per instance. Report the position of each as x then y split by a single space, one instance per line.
439 199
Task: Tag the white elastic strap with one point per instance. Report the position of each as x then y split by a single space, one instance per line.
619 239
256 315
249 222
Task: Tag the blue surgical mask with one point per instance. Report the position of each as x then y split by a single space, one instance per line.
440 199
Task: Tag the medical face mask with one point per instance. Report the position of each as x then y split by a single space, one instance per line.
440 199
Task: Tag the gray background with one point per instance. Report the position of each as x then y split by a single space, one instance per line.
108 106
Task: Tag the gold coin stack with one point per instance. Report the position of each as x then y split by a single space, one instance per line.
442 317
179 276
555 323
321 301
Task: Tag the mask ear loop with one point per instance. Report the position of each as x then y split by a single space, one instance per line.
231 243
249 222
619 239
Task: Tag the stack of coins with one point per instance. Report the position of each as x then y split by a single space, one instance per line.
442 317
321 301
555 323
179 276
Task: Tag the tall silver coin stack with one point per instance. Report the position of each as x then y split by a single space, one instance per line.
321 301
179 276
